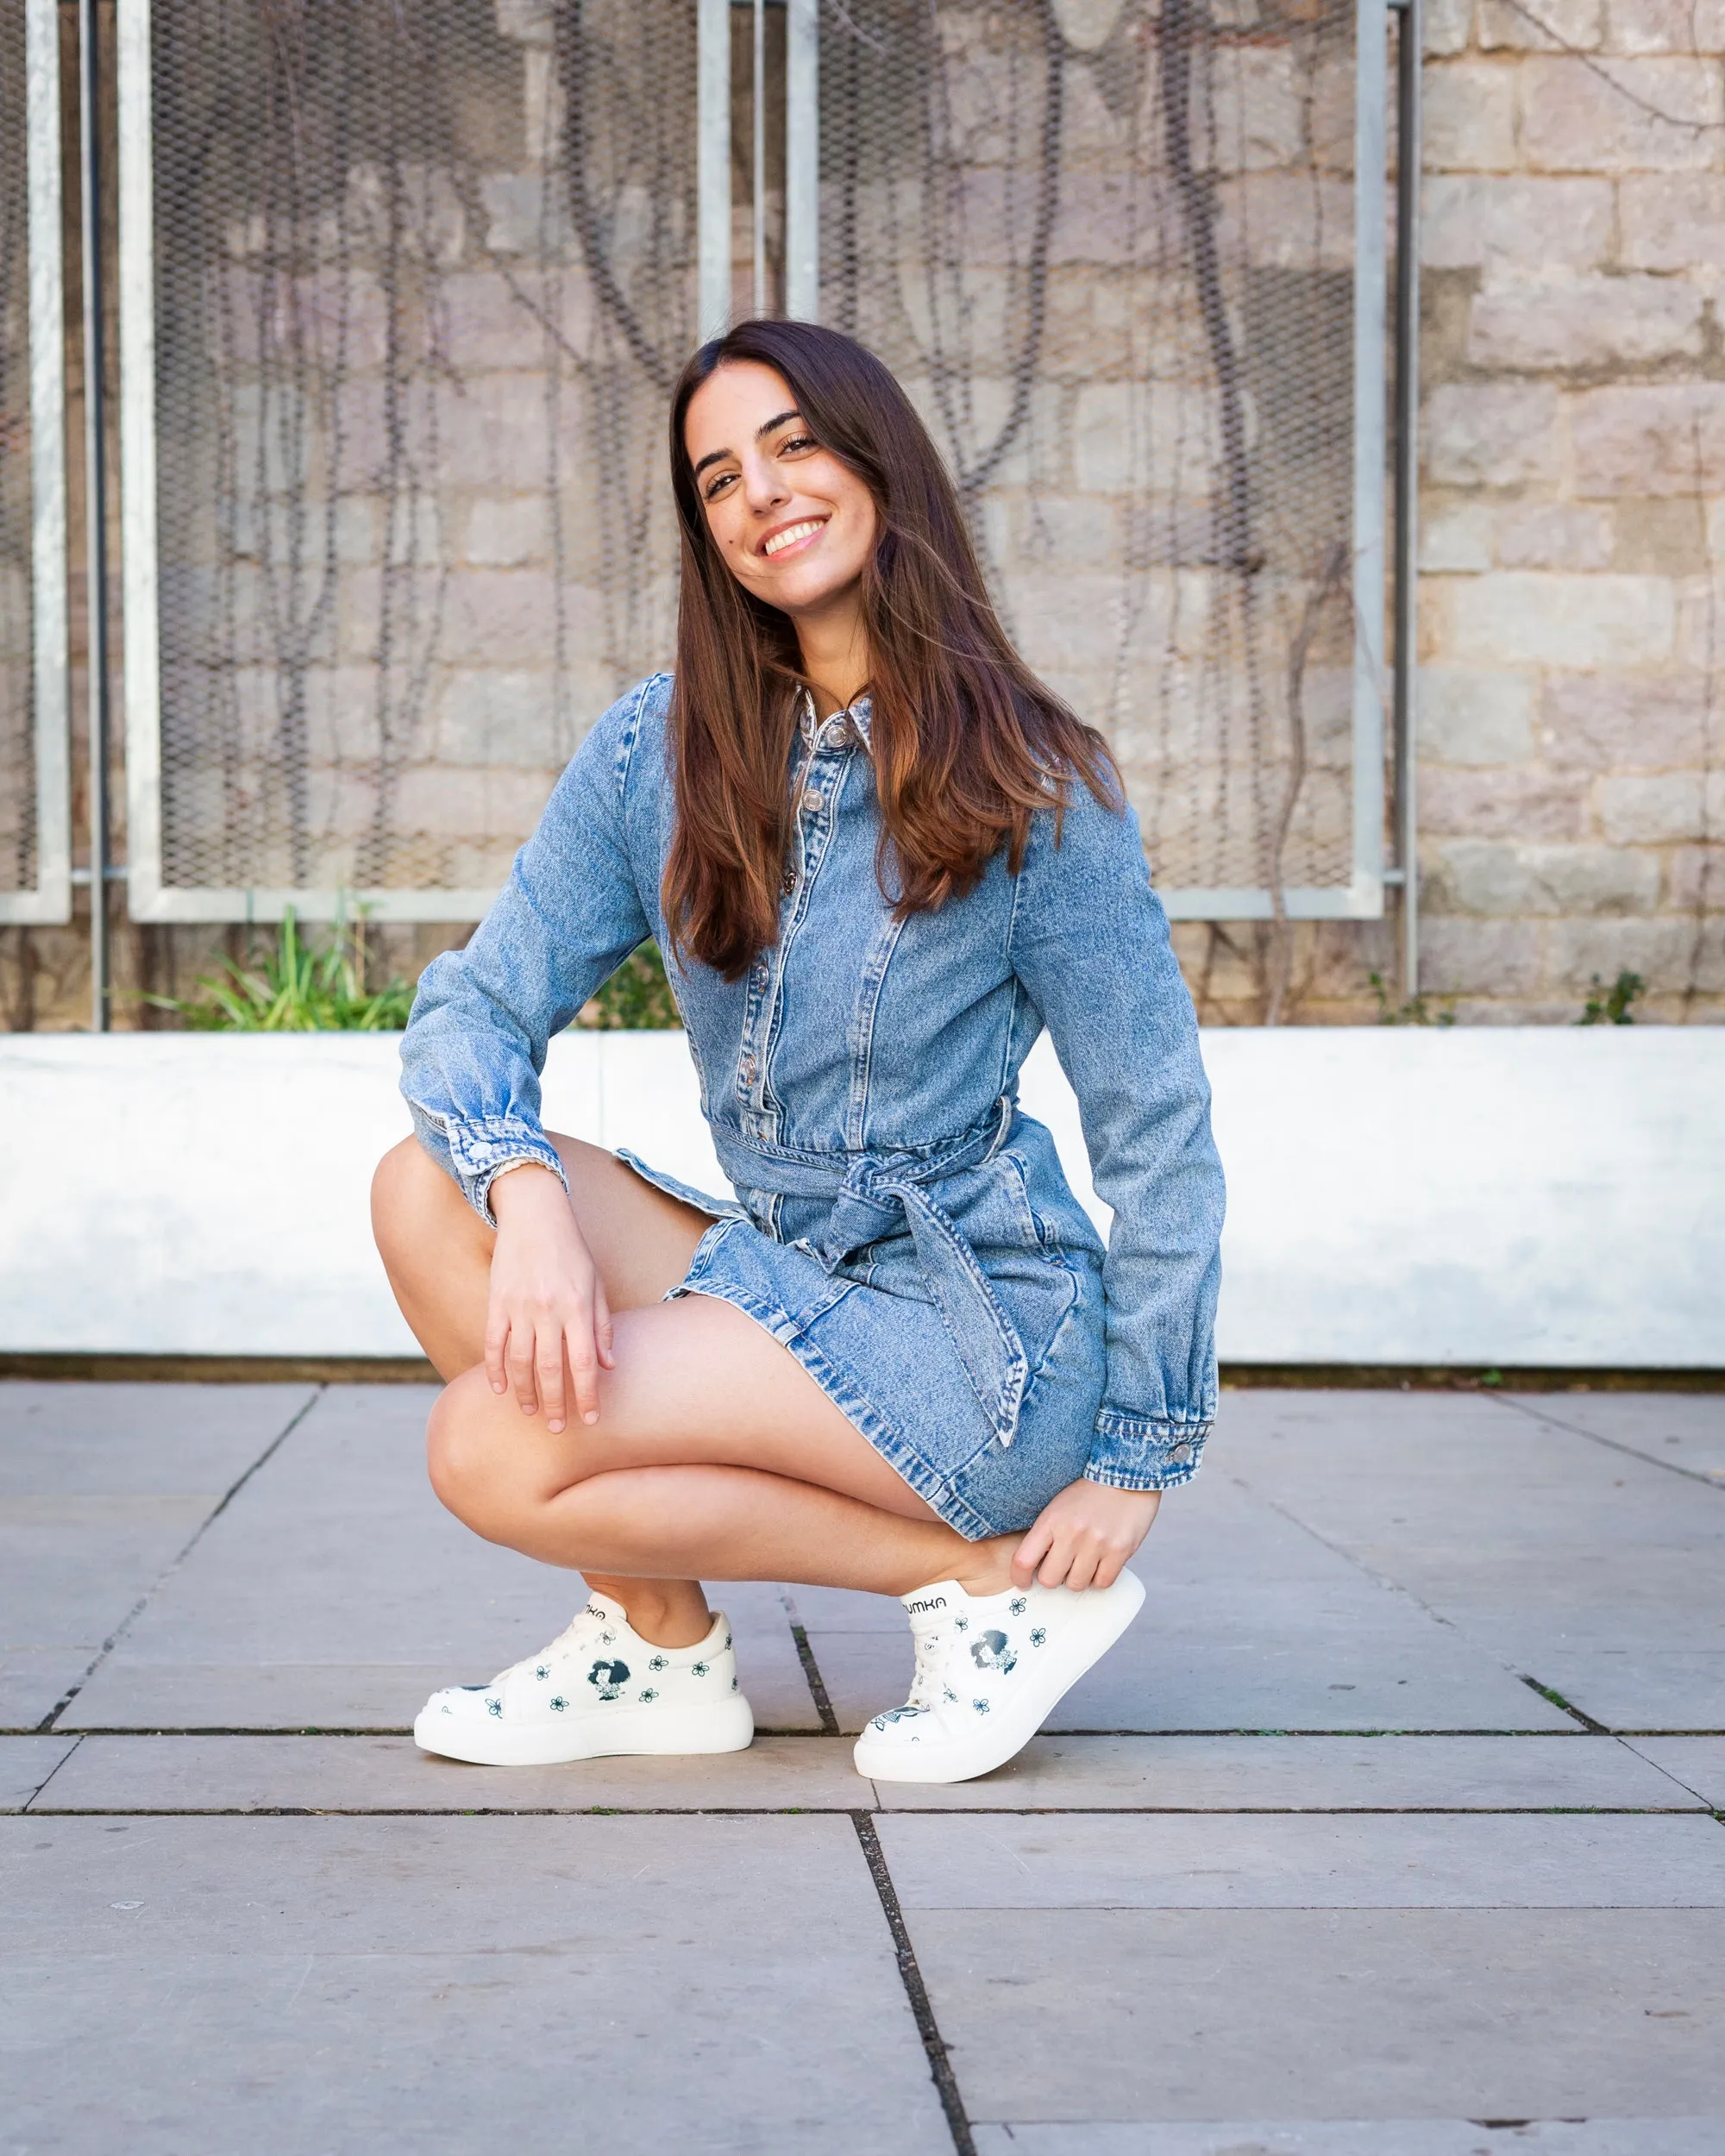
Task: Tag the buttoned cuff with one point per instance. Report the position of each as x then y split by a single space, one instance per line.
1135 1452
477 1150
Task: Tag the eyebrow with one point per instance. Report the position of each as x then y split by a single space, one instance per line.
766 426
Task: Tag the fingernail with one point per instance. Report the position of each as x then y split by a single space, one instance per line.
554 1426
592 1417
498 1388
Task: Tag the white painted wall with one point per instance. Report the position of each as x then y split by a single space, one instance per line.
1483 1195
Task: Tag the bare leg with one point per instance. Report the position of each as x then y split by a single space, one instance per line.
715 1453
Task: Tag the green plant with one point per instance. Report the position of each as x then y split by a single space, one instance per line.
637 999
1612 1006
1415 1011
297 988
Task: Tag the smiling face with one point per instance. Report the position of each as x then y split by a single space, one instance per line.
795 525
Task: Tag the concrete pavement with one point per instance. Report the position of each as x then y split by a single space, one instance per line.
1393 1828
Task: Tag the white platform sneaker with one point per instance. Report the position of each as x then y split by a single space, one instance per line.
598 1690
990 1670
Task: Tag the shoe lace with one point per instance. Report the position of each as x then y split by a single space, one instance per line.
930 1648
567 1642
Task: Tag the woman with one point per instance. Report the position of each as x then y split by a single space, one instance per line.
878 857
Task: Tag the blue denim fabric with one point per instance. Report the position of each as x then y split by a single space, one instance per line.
898 1222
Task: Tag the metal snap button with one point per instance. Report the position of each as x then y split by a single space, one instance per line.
813 803
1181 1452
789 884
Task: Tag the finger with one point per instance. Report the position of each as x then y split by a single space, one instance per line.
584 1366
496 1339
1057 1565
1109 1568
1030 1553
548 1364
1080 1571
519 1364
603 1330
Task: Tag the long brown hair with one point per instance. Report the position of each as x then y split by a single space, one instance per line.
966 743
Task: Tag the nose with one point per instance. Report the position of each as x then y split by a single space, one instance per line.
764 486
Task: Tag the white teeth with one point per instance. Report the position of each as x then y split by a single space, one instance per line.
793 533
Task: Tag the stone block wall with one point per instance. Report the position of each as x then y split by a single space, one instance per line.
1572 560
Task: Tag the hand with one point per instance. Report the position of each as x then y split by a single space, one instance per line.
547 1319
1084 1536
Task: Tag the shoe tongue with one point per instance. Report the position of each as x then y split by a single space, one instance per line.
931 1606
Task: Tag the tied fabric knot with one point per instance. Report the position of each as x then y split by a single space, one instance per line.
869 1193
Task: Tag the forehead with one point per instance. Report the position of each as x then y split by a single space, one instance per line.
733 402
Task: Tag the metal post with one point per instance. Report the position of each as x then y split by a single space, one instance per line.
757 118
1409 44
713 164
95 505
802 160
1371 415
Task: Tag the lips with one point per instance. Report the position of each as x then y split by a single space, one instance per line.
792 538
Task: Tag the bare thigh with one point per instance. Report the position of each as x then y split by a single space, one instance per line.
437 1250
696 1382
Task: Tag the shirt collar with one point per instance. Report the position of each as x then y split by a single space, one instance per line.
838 729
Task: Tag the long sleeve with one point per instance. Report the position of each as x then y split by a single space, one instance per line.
1089 944
483 1019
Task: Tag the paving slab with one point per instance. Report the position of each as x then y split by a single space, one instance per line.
335 1592
1685 1431
99 1439
181 1986
390 1774
1329 2014
1250 1622
1311 1774
25 1763
1375 1860
101 1488
1588 1568
1356 2137
1698 1762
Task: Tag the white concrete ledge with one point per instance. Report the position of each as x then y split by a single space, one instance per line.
1473 1196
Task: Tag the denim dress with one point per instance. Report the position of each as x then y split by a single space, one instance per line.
897 1222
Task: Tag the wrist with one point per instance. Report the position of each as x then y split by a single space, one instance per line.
522 1187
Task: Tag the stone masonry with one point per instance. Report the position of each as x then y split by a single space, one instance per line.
1572 763
1572 743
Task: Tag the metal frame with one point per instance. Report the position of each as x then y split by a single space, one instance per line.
802 159
1409 53
1361 898
50 901
150 899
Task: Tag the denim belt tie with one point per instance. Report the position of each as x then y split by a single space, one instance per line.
870 1193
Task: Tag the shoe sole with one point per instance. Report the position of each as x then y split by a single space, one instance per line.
1003 1740
727 1725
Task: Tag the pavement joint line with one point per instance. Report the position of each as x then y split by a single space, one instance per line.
46 1726
940 2061
375 1729
1568 1706
52 1771
1671 1773
811 1676
1611 1445
35 1809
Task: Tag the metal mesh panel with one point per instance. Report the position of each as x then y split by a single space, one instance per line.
18 862
421 279
1108 244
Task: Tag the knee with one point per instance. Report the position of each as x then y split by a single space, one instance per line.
404 1185
466 1473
